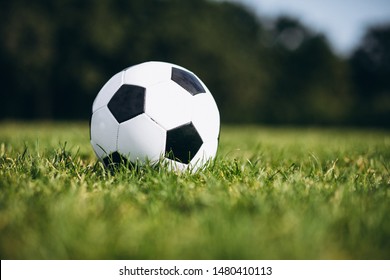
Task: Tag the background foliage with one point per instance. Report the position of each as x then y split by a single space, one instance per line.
56 55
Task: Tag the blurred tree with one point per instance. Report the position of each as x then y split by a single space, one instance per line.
27 55
370 66
309 83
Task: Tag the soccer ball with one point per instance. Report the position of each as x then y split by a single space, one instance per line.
155 112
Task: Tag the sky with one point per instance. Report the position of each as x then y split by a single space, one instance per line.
344 22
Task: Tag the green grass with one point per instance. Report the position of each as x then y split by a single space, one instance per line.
272 193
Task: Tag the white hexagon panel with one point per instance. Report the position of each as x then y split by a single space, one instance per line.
147 74
104 131
141 140
168 104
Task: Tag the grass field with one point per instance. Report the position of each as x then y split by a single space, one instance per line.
272 193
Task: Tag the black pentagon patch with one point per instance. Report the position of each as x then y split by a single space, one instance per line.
187 80
183 143
115 160
128 102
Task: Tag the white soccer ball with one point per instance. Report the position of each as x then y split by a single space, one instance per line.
155 112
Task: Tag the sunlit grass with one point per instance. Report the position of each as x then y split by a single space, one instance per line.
272 193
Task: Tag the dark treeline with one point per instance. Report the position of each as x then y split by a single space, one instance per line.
56 55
